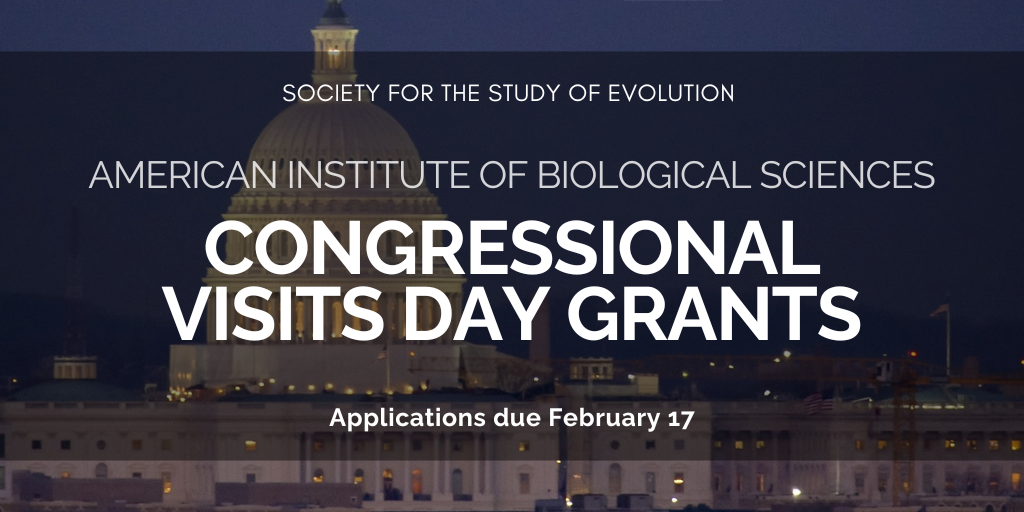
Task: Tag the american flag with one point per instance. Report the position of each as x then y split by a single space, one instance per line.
815 403
381 356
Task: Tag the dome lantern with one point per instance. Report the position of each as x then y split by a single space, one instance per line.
334 44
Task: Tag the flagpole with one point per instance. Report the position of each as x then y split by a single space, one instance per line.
949 359
387 363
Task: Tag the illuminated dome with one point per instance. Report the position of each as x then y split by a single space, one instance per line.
337 131
342 131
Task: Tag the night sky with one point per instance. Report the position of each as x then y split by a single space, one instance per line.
512 25
906 253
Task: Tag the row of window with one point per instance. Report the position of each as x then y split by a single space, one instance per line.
101 471
760 483
136 444
387 446
760 444
949 444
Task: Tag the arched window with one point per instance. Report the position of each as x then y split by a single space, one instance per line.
357 477
457 481
318 476
615 479
650 482
101 470
336 320
387 474
417 481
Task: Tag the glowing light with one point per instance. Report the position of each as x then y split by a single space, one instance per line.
913 353
796 492
568 503
712 364
777 360
291 387
272 381
412 354
311 387
786 354
767 392
686 374
349 391
262 384
329 386
675 500
536 379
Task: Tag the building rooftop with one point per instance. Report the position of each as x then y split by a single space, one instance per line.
71 390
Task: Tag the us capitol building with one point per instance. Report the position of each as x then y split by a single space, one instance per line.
245 424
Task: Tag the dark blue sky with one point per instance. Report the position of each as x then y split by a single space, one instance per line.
451 25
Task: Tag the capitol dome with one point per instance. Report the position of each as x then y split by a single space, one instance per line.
342 131
315 133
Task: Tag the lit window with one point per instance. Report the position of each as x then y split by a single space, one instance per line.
318 446
1015 445
718 444
950 444
417 481
166 477
387 446
357 478
759 444
858 445
883 444
250 445
993 444
524 446
972 444
760 482
738 445
678 482
318 476
65 474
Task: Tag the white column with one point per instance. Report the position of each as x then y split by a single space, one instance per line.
308 449
407 491
348 458
436 437
379 477
338 478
